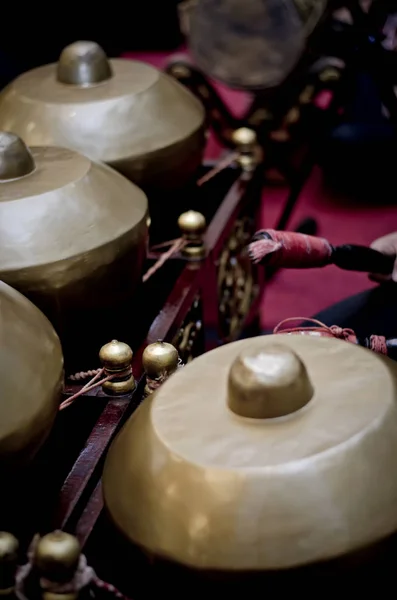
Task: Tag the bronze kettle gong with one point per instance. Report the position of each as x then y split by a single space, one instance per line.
262 455
31 378
73 236
122 112
251 44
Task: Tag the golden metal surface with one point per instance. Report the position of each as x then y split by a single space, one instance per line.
247 162
190 480
160 359
122 112
83 64
191 222
56 555
72 233
120 387
9 546
115 356
31 377
307 95
192 225
60 596
244 137
268 384
330 74
116 359
250 153
16 159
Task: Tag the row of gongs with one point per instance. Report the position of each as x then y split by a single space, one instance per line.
73 232
260 455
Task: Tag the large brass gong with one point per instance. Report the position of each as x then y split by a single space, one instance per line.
31 377
73 234
125 113
263 454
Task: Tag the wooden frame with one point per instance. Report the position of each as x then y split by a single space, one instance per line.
194 291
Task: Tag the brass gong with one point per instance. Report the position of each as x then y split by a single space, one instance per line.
264 454
125 113
31 378
73 234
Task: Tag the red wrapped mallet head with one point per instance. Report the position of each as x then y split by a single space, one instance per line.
291 250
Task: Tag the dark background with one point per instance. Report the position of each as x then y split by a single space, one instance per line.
35 34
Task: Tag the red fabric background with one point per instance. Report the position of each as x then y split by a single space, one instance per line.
302 293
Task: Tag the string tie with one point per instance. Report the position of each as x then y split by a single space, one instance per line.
319 329
154 384
377 343
175 246
94 383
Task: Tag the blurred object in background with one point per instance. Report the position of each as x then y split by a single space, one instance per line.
249 44
390 33
185 9
359 156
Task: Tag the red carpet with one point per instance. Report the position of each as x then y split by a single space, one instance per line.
303 293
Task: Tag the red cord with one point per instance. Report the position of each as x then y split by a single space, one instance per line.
108 587
377 342
319 329
92 384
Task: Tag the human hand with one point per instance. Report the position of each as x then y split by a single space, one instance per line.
387 245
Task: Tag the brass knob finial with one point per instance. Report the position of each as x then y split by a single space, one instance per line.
267 383
179 68
115 356
245 141
56 556
9 547
160 358
192 225
244 136
191 222
116 359
83 63
16 159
